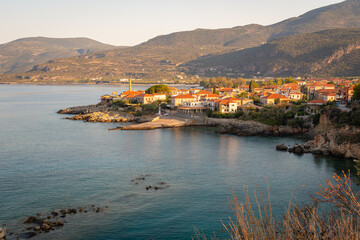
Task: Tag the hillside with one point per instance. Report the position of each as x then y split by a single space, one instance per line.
165 57
22 54
333 52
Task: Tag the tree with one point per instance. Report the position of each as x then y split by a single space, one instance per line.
277 101
250 87
279 81
161 88
243 95
356 95
214 90
290 80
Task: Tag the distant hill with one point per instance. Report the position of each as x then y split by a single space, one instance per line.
333 52
165 57
22 54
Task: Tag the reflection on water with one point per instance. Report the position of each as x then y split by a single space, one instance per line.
51 163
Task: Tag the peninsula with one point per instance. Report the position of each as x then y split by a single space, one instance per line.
319 109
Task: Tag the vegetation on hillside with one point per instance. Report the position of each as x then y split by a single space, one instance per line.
327 53
270 115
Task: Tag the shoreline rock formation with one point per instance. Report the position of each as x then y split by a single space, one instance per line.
331 140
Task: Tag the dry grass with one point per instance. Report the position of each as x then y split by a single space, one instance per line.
305 222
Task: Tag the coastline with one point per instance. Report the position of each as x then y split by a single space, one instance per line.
329 134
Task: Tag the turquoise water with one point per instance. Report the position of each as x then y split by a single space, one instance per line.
51 163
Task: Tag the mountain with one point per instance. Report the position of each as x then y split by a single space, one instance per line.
165 57
22 54
333 52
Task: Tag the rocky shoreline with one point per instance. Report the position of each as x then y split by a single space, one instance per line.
328 139
102 113
251 128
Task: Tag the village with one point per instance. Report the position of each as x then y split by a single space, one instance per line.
314 93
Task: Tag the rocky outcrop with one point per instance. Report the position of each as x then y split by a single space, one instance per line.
252 128
343 142
85 109
111 116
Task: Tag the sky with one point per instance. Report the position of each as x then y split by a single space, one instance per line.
130 22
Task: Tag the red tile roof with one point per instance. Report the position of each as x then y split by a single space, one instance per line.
317 101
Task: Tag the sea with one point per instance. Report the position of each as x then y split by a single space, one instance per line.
51 163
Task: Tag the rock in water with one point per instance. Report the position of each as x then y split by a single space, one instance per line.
281 147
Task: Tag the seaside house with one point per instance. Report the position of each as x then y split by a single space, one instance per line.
180 99
145 98
189 108
130 94
228 105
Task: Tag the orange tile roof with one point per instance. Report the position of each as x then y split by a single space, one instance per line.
317 101
204 92
226 90
275 96
185 96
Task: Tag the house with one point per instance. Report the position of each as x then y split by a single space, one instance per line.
196 107
328 96
210 96
270 99
294 95
130 93
245 101
145 98
159 97
348 93
131 96
226 91
194 90
203 93
174 91
314 106
228 105
248 106
180 99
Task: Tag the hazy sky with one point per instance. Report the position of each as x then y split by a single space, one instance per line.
130 22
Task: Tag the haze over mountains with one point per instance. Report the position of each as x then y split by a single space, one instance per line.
22 54
197 51
334 52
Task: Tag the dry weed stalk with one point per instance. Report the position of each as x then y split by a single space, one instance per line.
298 222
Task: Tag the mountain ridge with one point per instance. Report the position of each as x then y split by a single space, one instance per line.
334 52
165 56
21 54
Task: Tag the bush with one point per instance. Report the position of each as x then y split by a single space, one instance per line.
212 114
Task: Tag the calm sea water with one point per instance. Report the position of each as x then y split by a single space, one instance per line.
48 163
